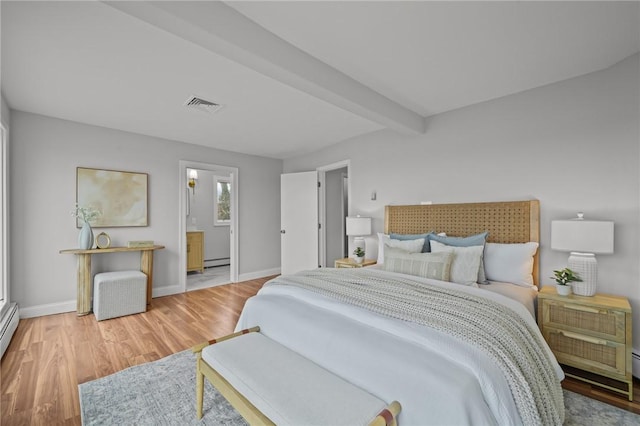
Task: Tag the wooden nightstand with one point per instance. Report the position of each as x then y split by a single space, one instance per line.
347 262
590 336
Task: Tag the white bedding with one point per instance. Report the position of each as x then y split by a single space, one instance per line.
525 295
437 379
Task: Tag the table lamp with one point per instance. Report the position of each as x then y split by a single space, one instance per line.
583 238
358 227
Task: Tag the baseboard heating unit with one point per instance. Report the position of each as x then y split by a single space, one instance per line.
8 327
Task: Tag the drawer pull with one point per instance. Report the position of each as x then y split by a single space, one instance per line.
583 338
584 309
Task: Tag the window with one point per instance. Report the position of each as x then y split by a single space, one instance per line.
222 201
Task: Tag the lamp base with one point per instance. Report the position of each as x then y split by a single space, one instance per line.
359 242
586 266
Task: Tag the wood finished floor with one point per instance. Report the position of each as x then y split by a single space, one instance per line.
49 356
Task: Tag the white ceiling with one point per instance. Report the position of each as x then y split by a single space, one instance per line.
294 76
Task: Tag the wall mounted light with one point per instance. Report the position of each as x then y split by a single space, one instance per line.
193 177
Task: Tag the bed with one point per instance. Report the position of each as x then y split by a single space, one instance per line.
451 354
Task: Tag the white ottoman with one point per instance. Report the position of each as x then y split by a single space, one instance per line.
119 293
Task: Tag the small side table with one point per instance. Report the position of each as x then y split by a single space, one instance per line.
347 262
85 283
590 336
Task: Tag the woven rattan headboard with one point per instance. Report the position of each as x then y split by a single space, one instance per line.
507 222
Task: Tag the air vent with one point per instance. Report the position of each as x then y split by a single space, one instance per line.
200 104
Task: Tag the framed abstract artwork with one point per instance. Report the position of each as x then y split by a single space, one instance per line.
120 197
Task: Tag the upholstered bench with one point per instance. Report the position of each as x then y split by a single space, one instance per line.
116 294
270 384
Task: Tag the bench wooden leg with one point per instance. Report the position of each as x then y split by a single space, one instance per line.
388 416
199 388
199 365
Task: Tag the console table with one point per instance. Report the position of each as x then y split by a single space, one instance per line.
84 271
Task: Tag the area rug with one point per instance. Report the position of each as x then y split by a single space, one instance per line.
163 393
159 393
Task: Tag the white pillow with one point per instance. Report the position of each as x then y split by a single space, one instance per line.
411 246
510 263
465 264
436 266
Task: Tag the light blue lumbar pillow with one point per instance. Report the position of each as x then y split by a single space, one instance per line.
472 240
404 237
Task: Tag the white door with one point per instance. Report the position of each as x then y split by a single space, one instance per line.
299 221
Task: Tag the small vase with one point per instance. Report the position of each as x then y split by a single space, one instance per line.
85 238
563 290
358 259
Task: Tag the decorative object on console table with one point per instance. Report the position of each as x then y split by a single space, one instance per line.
85 237
564 278
86 215
590 337
358 227
103 240
584 239
349 262
140 244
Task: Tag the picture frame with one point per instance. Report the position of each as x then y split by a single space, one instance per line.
121 197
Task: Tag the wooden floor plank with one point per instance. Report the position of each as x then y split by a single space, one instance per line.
49 356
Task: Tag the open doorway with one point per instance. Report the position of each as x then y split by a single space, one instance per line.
208 225
334 207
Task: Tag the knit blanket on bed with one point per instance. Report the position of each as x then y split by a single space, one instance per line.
496 330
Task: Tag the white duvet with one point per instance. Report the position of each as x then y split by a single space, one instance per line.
437 379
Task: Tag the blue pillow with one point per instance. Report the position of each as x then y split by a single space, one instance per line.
472 240
404 237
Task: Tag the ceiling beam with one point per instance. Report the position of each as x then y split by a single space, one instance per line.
221 29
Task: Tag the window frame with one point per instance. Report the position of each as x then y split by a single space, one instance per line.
5 297
216 180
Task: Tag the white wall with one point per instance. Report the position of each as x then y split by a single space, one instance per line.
216 238
573 145
44 156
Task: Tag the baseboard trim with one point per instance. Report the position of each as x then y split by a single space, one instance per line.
258 274
8 326
48 309
166 291
70 306
216 262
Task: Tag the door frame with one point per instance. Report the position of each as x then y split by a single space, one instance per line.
5 300
322 202
182 217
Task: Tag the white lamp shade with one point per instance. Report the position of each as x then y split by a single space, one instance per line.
587 236
193 174
358 226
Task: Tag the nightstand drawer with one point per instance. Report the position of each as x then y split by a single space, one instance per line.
592 321
587 352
